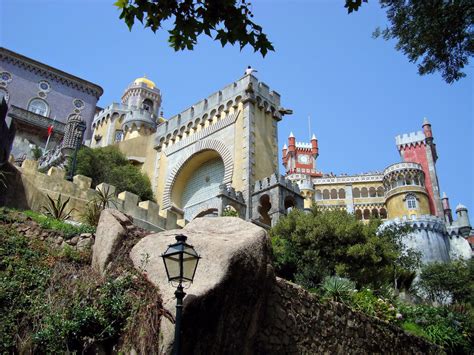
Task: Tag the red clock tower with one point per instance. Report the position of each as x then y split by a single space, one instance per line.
300 158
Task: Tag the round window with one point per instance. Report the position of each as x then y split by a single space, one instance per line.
79 104
5 76
44 86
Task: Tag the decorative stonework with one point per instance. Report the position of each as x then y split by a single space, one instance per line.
50 73
200 146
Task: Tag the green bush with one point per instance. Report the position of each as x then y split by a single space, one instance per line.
368 303
441 325
452 281
111 166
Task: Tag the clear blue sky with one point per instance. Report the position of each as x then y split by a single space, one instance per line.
359 91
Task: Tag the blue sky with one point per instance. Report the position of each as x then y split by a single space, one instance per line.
359 91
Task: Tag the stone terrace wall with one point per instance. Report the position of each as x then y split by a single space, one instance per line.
28 189
296 323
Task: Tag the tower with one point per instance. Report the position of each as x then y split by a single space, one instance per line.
418 147
299 159
143 99
462 221
448 216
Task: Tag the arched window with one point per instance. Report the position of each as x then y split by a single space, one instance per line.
333 194
39 107
366 213
356 192
326 194
148 105
383 213
372 192
380 192
318 195
358 214
375 213
411 202
364 192
342 193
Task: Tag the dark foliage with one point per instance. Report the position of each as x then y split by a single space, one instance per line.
109 165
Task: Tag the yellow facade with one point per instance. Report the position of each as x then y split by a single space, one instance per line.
397 205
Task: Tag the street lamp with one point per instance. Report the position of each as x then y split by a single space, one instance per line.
180 261
79 133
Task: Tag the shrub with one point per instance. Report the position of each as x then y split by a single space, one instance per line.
111 166
337 289
57 208
453 281
368 303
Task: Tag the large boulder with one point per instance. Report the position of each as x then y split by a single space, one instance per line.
224 306
111 230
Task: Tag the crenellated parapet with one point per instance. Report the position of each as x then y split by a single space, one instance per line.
38 185
410 139
402 177
216 107
422 222
275 179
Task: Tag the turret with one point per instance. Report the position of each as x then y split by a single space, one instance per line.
291 143
463 220
283 153
427 129
314 146
447 209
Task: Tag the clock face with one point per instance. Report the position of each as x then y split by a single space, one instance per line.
303 159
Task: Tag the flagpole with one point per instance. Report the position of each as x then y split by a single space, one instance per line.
49 136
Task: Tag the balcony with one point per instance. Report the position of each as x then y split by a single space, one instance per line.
28 118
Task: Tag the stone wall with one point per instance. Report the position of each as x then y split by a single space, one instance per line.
28 189
297 323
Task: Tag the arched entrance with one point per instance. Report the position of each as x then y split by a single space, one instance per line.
198 182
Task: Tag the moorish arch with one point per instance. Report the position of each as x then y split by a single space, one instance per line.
212 153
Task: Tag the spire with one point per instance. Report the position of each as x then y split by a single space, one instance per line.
313 137
291 135
444 195
285 147
425 121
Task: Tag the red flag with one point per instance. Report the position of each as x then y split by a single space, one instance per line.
50 130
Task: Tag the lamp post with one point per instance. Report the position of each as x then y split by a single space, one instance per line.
79 133
180 261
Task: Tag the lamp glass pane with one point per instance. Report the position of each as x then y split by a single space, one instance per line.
189 265
172 266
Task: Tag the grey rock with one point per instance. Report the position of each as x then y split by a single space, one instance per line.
83 244
108 236
231 280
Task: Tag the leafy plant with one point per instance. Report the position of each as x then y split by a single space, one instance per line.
338 289
57 208
37 152
230 212
103 199
367 302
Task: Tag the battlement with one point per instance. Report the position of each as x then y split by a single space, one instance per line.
424 222
306 185
409 139
218 103
115 107
38 185
275 179
303 145
229 192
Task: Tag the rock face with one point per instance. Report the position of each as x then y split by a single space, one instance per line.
110 232
224 306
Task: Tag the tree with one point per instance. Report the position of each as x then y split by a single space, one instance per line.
310 246
438 34
453 280
228 21
109 165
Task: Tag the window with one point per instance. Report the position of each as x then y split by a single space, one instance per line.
148 105
118 135
411 202
38 106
